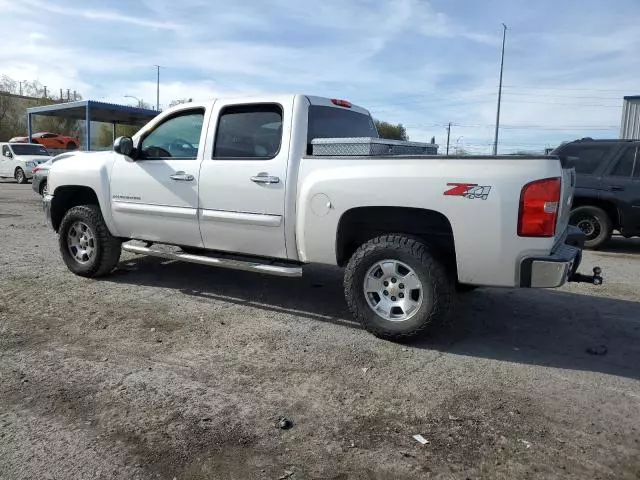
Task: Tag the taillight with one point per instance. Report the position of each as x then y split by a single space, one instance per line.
36 170
341 103
539 203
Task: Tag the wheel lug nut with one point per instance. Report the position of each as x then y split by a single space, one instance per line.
385 293
386 284
401 295
393 280
393 299
401 286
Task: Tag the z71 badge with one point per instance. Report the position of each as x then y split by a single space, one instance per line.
468 190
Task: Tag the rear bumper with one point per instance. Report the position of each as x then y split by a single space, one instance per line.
46 207
559 267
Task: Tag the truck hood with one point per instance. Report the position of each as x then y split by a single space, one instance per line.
80 158
80 168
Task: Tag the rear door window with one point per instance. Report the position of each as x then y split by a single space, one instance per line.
590 156
249 131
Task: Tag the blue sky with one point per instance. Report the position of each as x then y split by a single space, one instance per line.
423 63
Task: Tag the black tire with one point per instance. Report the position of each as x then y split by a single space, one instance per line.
20 176
595 224
71 146
436 282
107 248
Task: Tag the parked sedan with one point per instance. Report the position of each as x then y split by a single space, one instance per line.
50 140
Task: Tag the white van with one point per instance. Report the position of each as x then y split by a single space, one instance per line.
17 160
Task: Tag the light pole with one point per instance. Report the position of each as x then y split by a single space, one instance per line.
140 102
157 87
458 144
495 140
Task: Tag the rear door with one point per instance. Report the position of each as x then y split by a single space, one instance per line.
622 182
243 178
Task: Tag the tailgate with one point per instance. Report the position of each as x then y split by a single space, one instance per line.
568 188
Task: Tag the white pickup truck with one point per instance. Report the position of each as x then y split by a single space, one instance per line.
239 183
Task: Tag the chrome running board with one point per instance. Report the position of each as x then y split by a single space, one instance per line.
246 265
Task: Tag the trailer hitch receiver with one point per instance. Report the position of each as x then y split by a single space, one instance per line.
595 279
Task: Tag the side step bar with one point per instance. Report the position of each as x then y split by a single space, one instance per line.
248 265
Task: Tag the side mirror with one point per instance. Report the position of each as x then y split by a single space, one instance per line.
8 154
123 146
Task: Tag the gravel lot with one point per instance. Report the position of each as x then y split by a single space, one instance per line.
169 370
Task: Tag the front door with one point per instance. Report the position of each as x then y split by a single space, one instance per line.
623 181
155 196
5 161
243 178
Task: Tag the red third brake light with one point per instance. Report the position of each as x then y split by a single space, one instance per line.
539 202
341 103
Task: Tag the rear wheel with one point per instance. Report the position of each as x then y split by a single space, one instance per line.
20 176
71 146
87 247
594 223
396 288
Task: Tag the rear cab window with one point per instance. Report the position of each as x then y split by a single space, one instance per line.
338 122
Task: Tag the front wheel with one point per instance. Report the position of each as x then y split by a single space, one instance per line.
87 247
594 223
20 176
396 288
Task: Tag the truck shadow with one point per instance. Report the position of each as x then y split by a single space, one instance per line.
554 328
619 244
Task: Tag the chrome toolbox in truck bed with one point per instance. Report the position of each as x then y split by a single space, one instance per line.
370 147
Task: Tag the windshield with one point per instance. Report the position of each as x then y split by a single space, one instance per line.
29 150
332 122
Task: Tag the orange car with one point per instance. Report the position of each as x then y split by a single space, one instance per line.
50 140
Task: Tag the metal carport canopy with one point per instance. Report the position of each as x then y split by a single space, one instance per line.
93 111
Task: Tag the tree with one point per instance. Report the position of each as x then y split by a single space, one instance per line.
13 110
105 136
390 131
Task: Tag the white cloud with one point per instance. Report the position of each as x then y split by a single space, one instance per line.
99 15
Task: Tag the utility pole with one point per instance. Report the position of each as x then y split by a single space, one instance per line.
495 141
20 88
45 91
448 136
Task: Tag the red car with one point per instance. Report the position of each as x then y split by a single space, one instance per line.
50 141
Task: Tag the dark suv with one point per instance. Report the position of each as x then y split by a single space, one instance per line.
607 194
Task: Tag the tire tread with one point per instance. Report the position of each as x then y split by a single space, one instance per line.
108 254
443 285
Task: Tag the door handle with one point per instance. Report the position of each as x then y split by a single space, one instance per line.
182 177
617 188
265 178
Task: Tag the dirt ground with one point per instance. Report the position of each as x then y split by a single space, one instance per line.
170 370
